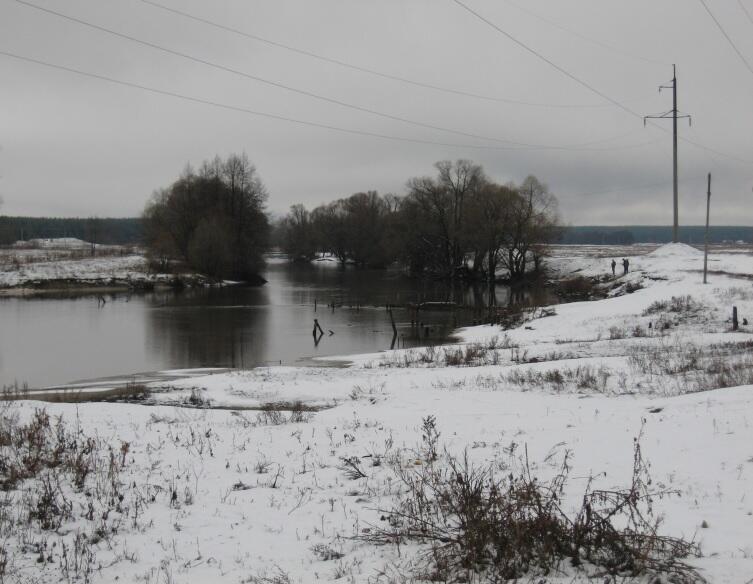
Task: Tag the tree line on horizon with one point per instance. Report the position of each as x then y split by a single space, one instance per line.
458 224
129 231
104 230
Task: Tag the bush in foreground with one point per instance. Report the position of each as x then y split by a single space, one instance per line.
476 525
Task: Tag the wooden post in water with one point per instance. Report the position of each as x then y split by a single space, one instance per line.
394 328
706 236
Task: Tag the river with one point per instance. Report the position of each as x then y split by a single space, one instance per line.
48 340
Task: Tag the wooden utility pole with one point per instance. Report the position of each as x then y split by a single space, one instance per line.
674 114
706 236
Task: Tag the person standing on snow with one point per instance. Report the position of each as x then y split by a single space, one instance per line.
614 265
625 265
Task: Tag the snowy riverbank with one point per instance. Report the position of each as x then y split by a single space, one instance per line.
237 495
67 264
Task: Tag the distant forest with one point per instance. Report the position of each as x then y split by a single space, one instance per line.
102 230
625 235
130 231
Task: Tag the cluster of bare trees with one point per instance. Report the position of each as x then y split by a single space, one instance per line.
213 220
359 229
458 224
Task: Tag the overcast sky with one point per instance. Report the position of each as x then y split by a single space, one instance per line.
72 145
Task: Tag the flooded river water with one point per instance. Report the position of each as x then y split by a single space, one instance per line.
54 340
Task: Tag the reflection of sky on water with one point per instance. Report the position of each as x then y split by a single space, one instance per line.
51 341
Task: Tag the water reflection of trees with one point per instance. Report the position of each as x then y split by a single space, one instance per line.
209 328
350 286
243 327
482 296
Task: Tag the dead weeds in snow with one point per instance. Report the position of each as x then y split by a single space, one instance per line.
681 366
677 304
468 355
63 494
558 380
474 523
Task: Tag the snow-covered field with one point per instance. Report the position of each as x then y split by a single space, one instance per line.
180 493
68 263
89 270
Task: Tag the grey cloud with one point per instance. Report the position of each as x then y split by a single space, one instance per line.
78 146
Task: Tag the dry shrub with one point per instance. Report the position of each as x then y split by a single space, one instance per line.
577 288
676 304
351 466
722 371
477 525
684 367
326 553
30 448
299 413
616 333
665 358
58 480
631 287
196 399
582 377
468 355
273 414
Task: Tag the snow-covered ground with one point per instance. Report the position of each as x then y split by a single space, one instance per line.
68 262
232 494
89 270
55 243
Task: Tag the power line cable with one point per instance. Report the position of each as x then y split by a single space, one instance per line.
588 86
521 146
726 36
367 70
548 61
257 78
280 85
581 36
746 11
225 106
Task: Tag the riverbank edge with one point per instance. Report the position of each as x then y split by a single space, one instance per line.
84 287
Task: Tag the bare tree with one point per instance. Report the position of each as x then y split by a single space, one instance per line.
534 222
437 228
331 229
438 206
298 237
227 197
489 219
359 229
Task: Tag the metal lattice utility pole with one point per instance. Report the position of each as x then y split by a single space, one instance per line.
674 114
